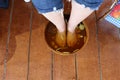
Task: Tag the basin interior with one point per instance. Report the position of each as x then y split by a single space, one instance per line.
50 35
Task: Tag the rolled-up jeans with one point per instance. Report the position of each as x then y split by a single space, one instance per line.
45 6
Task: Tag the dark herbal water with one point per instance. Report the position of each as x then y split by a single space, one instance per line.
50 33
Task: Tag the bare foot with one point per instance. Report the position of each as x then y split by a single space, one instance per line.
71 39
61 38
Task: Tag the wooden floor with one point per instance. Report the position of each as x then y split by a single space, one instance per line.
24 54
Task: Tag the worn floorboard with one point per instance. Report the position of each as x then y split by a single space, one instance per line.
110 50
16 68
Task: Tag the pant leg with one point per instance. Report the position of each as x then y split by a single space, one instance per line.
44 6
93 4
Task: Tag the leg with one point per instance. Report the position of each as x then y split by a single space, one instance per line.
78 14
58 20
52 10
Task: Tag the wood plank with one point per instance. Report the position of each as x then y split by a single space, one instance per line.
40 57
64 67
4 22
87 58
18 45
110 50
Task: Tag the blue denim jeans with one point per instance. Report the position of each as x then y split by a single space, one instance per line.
44 6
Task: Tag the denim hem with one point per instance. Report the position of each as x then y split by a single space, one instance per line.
92 6
44 8
59 11
43 11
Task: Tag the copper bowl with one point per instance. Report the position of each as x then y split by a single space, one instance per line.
82 36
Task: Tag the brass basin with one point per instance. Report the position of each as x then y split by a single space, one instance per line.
82 36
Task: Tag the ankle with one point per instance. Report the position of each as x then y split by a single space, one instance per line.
71 29
61 29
